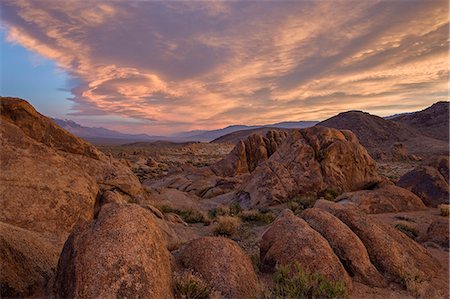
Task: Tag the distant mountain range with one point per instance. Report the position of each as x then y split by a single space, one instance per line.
99 135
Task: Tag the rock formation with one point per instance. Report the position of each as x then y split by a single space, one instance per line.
346 245
385 199
308 162
120 254
223 264
291 240
429 181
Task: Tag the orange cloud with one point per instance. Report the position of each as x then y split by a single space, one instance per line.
189 65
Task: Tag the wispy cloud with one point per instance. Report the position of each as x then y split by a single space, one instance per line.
191 65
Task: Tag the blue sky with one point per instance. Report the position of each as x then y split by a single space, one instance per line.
30 76
165 66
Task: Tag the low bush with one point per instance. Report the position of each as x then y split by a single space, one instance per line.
300 203
190 286
294 282
226 225
257 216
189 215
218 211
444 210
235 209
411 232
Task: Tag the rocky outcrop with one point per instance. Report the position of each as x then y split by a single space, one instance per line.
346 245
50 179
438 233
249 153
310 161
429 181
120 254
291 240
386 199
27 262
395 255
223 264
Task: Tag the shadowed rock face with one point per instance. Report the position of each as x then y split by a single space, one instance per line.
386 199
27 261
429 181
290 239
223 264
119 254
249 153
346 245
395 255
310 161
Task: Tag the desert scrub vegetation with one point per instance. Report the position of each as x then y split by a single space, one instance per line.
219 211
300 203
258 216
189 285
444 210
329 194
294 282
226 225
408 230
189 215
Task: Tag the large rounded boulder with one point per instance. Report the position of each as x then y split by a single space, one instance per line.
290 241
310 161
386 199
346 245
120 254
223 264
27 261
395 255
429 181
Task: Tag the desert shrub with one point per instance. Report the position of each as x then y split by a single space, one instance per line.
408 230
226 225
218 211
444 210
293 282
300 203
257 216
189 216
235 208
329 194
190 286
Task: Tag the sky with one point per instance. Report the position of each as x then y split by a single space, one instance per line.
167 66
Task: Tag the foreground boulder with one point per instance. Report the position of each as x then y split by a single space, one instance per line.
291 240
386 199
429 181
346 245
223 264
27 262
249 153
311 161
395 255
438 233
50 179
120 254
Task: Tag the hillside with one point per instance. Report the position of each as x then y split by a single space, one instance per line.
432 121
234 137
379 135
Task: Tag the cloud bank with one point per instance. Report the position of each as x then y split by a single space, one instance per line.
170 66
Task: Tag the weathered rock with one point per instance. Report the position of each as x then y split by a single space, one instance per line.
429 181
394 254
50 179
438 233
248 154
291 240
386 199
119 254
346 245
223 264
27 262
310 161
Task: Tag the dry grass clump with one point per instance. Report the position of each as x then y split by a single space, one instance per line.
410 231
300 203
189 215
294 282
444 210
226 225
189 285
264 217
